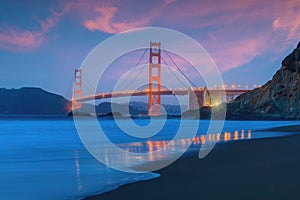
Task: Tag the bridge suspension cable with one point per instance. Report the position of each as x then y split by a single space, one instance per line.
190 81
137 75
171 70
129 74
88 85
69 88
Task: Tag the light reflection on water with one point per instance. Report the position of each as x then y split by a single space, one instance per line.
147 151
77 165
151 146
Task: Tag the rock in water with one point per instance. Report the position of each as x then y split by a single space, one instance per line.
277 99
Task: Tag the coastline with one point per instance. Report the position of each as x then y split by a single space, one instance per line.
236 170
294 128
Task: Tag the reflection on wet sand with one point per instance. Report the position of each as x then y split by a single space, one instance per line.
166 148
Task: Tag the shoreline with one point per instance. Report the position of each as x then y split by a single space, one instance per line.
240 170
292 128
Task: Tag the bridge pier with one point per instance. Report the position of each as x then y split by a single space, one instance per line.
195 99
207 97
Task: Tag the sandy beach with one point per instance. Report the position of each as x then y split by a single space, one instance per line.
295 128
250 169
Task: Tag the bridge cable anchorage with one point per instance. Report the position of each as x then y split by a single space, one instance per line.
171 70
137 75
180 69
137 64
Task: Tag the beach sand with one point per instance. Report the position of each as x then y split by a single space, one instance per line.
250 169
295 128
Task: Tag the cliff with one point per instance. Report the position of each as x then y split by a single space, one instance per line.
277 99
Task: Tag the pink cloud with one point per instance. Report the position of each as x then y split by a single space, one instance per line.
235 32
287 23
199 14
169 1
14 39
230 55
104 21
116 16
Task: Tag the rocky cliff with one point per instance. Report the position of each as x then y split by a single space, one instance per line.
277 99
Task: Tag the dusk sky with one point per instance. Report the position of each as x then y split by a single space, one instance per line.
42 42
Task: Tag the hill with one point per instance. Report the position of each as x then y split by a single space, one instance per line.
279 98
32 101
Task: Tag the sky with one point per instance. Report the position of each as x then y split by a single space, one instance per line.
42 42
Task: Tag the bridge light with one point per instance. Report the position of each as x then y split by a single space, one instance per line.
247 87
239 85
233 86
216 103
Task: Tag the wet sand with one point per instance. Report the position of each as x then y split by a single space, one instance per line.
250 169
295 128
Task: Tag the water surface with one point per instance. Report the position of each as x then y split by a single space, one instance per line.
43 158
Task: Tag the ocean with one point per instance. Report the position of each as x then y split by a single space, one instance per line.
43 157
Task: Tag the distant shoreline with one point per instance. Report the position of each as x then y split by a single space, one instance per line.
108 116
284 128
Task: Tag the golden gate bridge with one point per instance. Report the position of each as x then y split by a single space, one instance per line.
197 96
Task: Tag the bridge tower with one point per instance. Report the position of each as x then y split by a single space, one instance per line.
77 93
154 79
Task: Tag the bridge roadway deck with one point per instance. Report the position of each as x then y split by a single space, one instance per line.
162 92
